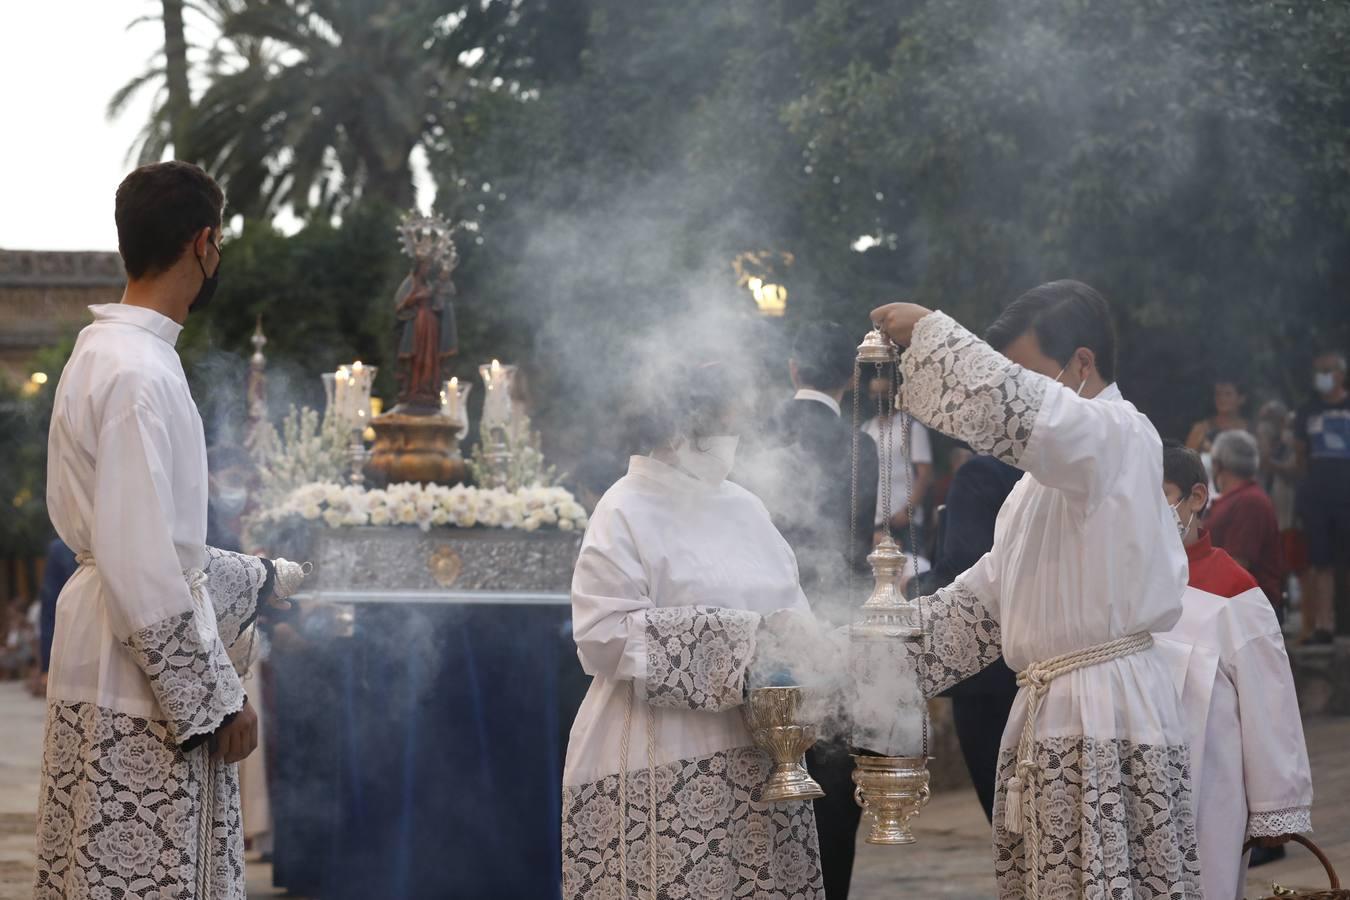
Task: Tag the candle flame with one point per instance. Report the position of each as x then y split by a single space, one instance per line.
454 382
496 366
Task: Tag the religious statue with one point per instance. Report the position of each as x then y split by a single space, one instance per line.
425 311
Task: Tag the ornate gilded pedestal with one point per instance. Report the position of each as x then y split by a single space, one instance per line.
416 448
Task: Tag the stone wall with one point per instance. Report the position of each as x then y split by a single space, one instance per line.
44 297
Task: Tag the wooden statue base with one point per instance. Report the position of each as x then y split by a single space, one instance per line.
415 448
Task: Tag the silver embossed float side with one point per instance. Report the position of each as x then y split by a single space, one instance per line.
405 562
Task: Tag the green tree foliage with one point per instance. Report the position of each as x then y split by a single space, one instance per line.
325 296
349 88
1190 159
1193 161
24 418
612 158
170 73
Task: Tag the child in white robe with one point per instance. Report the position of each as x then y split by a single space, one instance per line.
1248 758
678 572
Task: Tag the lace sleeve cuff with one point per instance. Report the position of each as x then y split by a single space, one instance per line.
697 656
961 386
234 582
964 639
193 681
1294 820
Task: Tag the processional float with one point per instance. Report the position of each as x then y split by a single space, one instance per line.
889 713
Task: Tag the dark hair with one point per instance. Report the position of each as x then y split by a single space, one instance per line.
1238 382
160 207
824 352
1183 467
691 403
1064 315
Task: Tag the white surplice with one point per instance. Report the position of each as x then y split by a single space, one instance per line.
1249 760
669 590
1085 552
139 662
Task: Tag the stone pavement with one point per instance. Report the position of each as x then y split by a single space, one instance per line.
951 859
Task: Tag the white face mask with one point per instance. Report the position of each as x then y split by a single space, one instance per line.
1182 527
1081 384
708 459
1324 382
231 501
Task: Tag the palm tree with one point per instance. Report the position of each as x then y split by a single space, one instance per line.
169 73
347 90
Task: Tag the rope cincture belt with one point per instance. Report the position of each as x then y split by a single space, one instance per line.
1019 812
200 759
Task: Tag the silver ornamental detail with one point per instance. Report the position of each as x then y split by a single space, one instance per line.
887 615
428 237
772 714
890 789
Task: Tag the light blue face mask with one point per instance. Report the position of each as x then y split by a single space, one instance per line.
1181 528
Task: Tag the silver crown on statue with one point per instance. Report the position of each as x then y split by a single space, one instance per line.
428 237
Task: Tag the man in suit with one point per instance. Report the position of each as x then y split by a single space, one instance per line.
811 497
804 480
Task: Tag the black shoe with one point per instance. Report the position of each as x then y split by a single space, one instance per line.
1320 636
1263 855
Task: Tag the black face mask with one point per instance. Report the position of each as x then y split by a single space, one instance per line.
209 284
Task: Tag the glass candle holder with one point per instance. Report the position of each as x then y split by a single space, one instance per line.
496 418
455 403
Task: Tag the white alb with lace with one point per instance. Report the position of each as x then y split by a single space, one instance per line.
1084 555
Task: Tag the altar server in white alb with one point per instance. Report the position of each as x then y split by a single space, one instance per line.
146 714
679 571
1248 758
1094 788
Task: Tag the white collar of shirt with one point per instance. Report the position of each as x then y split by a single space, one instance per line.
161 326
1110 392
808 394
666 475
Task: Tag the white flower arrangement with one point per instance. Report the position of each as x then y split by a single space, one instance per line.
426 506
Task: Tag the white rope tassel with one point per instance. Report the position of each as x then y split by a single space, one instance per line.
206 823
623 793
1019 797
651 797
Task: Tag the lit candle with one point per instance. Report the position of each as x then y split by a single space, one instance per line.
351 393
450 399
342 394
497 400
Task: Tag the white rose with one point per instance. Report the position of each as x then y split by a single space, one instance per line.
380 516
311 511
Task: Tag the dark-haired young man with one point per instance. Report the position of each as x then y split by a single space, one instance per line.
146 715
1094 792
1249 762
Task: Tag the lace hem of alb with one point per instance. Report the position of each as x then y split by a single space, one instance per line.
1294 820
